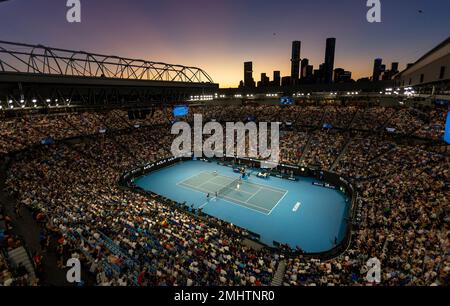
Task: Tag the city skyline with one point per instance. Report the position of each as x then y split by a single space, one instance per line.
218 36
302 73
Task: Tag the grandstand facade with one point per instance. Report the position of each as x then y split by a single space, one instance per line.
431 68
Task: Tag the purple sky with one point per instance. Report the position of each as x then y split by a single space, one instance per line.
219 35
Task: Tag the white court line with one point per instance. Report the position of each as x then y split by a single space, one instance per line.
192 176
278 202
233 201
239 190
224 177
201 206
259 186
244 203
197 188
190 187
253 196
274 189
230 200
184 181
221 185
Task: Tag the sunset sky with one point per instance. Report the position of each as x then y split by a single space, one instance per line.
219 35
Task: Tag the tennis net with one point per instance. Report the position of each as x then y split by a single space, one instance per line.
229 186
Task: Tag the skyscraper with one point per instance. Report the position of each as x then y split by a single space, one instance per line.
276 78
394 67
309 71
295 62
319 75
329 60
377 69
264 80
308 74
305 63
389 74
248 75
286 81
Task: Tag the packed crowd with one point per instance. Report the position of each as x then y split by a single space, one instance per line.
364 149
293 145
403 223
324 148
17 133
125 238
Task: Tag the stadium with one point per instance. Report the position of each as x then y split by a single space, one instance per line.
88 173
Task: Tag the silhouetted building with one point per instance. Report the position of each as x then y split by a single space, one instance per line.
286 81
329 60
338 72
276 78
377 69
308 75
295 62
248 75
363 80
304 64
309 71
319 74
342 76
389 74
394 67
264 80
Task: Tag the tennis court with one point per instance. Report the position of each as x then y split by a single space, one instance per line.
250 195
292 212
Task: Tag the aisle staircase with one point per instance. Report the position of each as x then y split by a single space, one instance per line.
355 115
307 146
279 274
20 256
341 154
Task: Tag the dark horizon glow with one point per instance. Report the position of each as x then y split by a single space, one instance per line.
219 35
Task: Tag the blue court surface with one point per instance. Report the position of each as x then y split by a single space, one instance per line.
293 212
